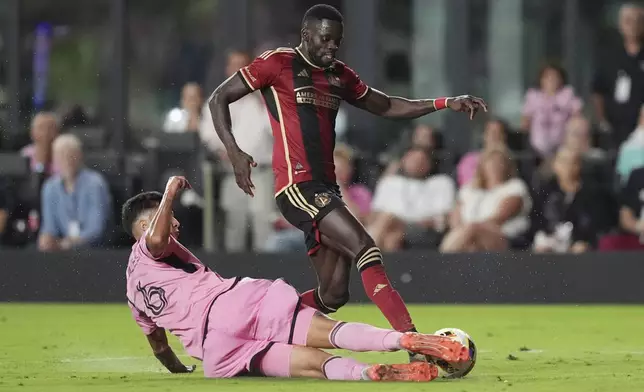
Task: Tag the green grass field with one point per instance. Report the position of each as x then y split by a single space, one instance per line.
57 348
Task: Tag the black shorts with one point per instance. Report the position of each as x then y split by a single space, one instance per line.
305 204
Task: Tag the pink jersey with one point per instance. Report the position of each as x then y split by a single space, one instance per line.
174 292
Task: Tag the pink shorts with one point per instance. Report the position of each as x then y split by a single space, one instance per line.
247 320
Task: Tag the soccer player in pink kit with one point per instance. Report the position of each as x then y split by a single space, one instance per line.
237 326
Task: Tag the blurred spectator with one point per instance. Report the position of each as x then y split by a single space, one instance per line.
493 210
4 210
186 118
423 136
409 205
578 139
618 88
44 129
631 152
631 216
356 196
76 205
24 193
568 211
546 110
75 116
341 125
494 135
252 130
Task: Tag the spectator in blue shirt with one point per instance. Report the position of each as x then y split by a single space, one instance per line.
76 205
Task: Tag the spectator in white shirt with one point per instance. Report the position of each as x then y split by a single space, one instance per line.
411 202
187 117
252 130
493 210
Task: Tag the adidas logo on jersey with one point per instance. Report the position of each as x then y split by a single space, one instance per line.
304 74
299 166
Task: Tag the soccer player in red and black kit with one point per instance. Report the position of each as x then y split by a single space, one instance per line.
303 88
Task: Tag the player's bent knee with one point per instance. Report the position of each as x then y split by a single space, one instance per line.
369 256
335 299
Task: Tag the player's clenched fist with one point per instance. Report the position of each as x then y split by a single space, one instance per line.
177 183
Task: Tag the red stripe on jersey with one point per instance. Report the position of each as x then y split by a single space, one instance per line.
326 119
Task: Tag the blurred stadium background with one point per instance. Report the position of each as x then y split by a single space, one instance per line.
128 79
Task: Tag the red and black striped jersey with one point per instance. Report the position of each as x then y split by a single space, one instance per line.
303 101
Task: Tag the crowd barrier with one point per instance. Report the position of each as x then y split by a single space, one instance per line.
421 277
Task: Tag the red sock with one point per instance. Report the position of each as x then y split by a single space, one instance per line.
379 289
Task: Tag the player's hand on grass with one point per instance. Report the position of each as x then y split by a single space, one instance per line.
176 184
242 164
467 103
184 369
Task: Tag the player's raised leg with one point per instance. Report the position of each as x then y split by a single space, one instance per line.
324 332
341 228
284 360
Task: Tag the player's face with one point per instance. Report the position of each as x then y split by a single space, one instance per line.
146 218
323 41
174 230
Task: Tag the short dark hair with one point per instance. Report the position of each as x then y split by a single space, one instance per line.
135 206
322 11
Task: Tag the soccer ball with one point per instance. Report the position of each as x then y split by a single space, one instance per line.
458 369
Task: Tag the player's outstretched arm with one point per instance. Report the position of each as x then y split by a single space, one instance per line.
381 104
158 235
163 352
231 90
